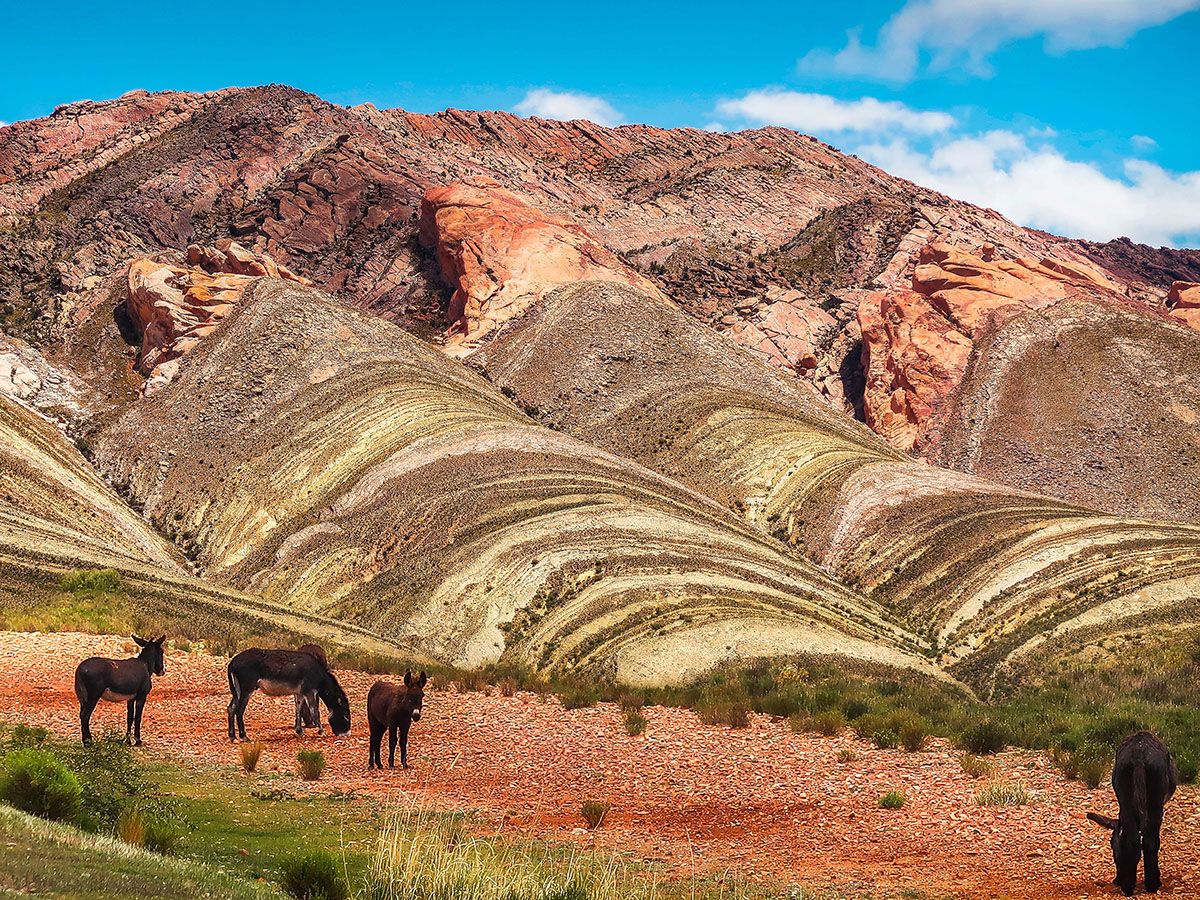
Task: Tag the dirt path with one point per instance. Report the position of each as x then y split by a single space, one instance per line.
762 801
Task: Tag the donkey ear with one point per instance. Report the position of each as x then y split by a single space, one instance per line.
160 639
137 640
408 678
1103 821
422 679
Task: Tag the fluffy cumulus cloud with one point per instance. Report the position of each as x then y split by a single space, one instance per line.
1031 182
822 114
567 105
965 33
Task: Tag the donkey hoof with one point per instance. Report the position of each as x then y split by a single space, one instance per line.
137 743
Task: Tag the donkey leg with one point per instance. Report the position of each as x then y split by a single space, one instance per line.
139 705
314 707
1150 843
376 744
391 746
404 726
239 713
128 720
86 707
299 726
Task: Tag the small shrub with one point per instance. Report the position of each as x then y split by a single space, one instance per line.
1002 793
1089 763
37 782
635 722
149 829
314 875
91 580
855 708
827 723
250 753
312 764
914 735
892 800
578 696
507 686
846 755
975 766
886 739
733 713
985 736
594 812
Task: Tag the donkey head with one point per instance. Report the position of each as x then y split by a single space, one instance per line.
1126 846
152 653
414 695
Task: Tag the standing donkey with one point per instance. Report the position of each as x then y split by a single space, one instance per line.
310 712
1144 778
119 681
393 707
282 673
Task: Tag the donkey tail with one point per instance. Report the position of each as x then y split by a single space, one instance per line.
1141 800
80 687
235 687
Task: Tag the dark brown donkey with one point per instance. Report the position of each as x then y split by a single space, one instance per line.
1144 778
119 681
282 673
306 706
393 707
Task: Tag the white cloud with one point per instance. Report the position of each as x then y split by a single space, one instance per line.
964 33
822 113
1035 185
567 105
714 126
1143 142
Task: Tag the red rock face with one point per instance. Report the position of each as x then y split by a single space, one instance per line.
502 256
916 343
173 308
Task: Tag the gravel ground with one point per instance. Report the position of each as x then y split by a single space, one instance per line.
761 801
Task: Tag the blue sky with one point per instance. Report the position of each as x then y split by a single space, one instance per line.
1079 116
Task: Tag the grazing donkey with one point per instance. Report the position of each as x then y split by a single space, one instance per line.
119 681
310 712
279 673
391 707
1144 778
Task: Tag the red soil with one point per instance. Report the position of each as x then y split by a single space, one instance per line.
760 801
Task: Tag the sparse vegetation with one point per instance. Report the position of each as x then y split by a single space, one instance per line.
985 736
886 739
892 800
1002 793
594 812
91 581
846 755
311 764
147 827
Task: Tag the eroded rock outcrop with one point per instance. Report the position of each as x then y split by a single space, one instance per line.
916 343
1183 301
174 307
502 255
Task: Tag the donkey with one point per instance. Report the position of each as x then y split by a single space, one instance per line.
310 712
119 681
278 673
1144 778
393 707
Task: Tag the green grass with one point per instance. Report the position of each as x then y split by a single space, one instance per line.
49 859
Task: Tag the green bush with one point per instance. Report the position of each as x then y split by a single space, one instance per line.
314 875
984 737
635 721
312 764
886 739
723 712
1089 762
892 800
110 776
827 723
38 782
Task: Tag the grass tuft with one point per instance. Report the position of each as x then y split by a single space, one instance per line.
892 800
250 753
311 763
1002 793
594 812
313 875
